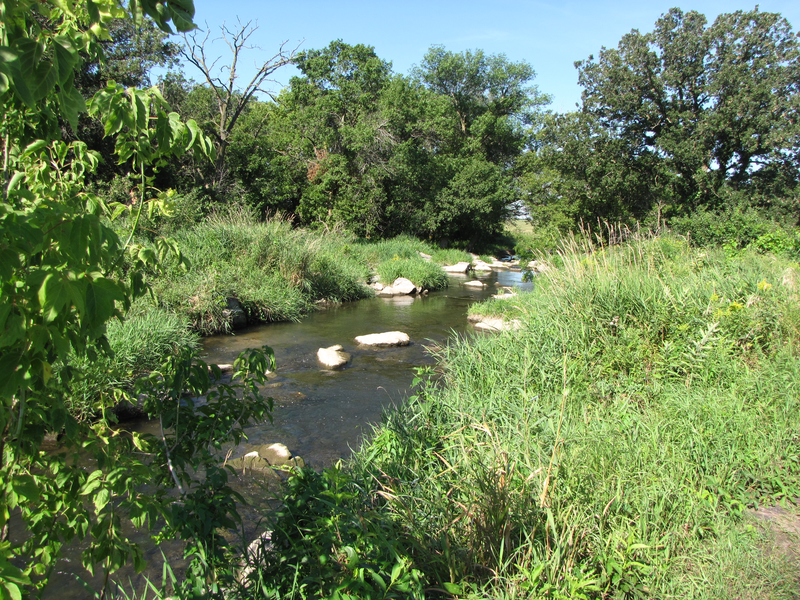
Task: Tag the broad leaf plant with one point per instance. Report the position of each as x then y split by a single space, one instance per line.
63 277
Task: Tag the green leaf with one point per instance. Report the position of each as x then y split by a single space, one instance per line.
15 180
182 19
100 296
65 59
195 130
92 483
9 260
72 104
452 588
54 296
94 13
101 499
34 146
39 76
10 376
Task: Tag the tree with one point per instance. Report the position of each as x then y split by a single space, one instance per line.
230 100
62 278
330 122
577 170
491 97
713 107
128 56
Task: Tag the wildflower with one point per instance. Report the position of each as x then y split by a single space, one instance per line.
763 286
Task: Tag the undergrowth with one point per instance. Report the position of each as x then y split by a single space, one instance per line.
607 449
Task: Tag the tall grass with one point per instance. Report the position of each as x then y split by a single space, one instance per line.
609 447
141 343
424 274
275 271
278 272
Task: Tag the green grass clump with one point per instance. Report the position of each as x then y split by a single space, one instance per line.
449 256
424 274
609 447
402 246
505 308
141 343
275 271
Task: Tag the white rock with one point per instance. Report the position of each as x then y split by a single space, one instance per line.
461 267
377 286
425 256
389 338
387 291
475 283
404 286
276 454
495 323
481 266
333 357
538 266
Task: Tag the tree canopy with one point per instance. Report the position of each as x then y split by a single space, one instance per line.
684 115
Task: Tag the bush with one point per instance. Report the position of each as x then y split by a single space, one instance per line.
739 227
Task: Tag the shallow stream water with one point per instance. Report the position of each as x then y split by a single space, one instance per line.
322 414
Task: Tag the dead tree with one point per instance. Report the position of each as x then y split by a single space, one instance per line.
231 101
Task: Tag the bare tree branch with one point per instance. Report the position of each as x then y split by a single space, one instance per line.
231 100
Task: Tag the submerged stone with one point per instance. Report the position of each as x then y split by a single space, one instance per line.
234 314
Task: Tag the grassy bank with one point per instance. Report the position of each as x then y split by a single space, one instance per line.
141 343
607 449
278 273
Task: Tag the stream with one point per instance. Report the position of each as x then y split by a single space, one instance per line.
320 414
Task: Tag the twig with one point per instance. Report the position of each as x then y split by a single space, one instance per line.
169 460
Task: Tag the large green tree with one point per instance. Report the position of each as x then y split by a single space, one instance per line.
713 106
428 155
492 98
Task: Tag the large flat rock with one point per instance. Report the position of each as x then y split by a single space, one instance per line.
389 338
461 267
404 286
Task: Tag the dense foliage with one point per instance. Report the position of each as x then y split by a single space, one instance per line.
63 279
686 116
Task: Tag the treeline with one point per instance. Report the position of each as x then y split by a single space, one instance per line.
689 117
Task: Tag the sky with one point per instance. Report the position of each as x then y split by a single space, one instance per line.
550 36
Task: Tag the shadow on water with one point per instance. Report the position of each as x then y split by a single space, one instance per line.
321 414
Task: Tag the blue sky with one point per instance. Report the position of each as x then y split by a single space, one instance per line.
551 36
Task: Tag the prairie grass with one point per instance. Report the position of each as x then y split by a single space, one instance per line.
609 447
275 271
424 274
141 343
